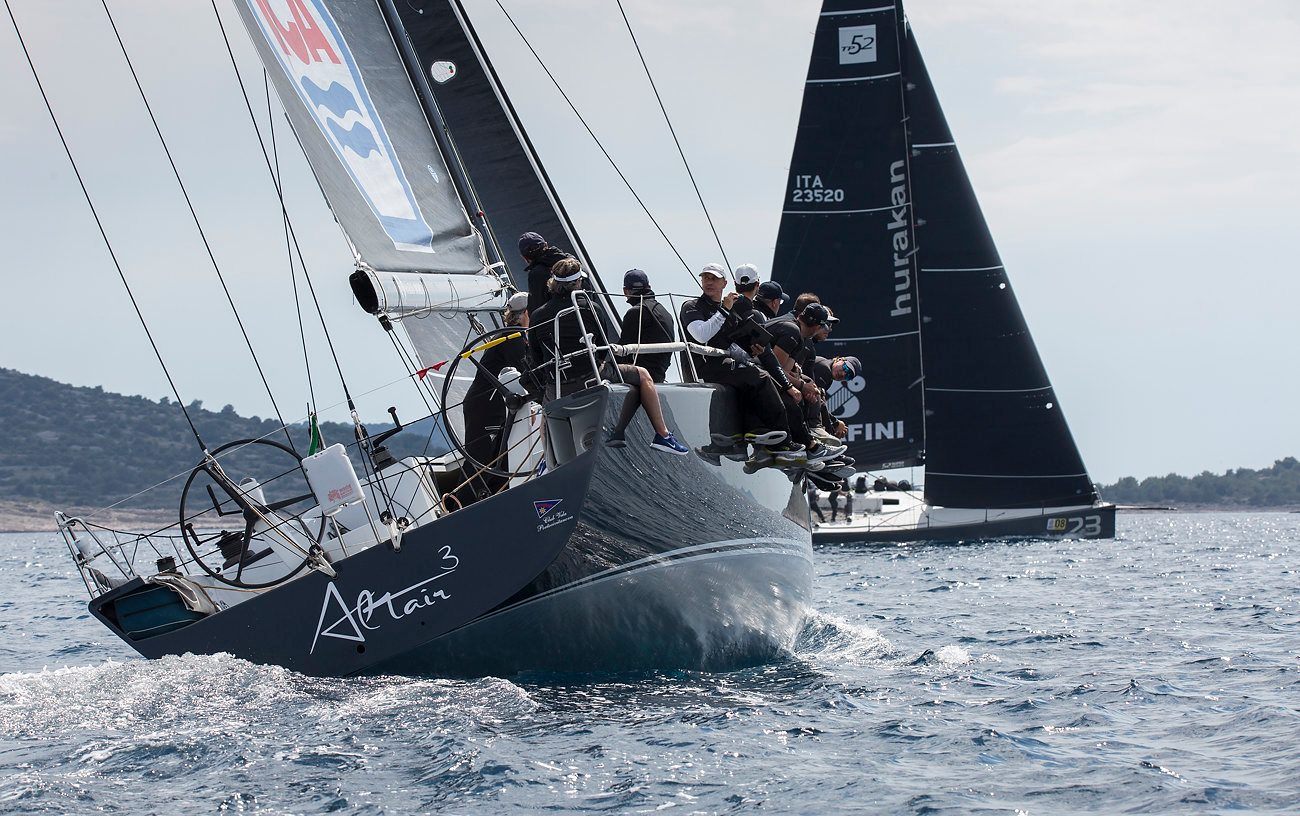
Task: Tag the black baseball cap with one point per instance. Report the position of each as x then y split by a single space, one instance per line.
815 314
636 280
531 242
771 289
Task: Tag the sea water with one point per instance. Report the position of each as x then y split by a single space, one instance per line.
1155 673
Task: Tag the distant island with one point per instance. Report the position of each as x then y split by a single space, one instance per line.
1274 487
80 449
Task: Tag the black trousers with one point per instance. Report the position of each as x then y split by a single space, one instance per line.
760 403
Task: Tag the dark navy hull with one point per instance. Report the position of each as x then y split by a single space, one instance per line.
1092 522
617 559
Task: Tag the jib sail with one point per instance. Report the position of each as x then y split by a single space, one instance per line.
997 435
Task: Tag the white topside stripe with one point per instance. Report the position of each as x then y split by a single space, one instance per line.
936 144
963 269
1003 476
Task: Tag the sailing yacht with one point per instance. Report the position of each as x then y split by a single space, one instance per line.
880 212
351 560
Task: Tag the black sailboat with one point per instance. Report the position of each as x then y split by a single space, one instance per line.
879 210
588 558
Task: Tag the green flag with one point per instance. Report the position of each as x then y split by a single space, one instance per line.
317 444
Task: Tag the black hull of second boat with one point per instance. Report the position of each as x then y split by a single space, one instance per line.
617 560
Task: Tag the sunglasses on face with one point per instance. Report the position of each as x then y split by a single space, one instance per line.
846 369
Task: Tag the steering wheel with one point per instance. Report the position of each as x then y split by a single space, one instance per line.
261 503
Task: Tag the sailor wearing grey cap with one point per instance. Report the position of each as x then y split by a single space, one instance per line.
825 372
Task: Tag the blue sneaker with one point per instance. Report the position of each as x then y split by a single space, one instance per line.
669 444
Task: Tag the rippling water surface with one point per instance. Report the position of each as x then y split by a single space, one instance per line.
1156 673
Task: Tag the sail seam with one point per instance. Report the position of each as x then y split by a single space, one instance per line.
853 79
857 11
991 390
845 212
876 337
963 269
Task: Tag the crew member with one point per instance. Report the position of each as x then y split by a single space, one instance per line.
540 256
567 277
707 320
485 412
770 299
647 321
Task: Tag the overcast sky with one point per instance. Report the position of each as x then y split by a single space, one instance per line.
1138 162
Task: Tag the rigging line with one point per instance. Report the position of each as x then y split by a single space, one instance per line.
411 370
280 195
100 224
594 138
293 274
673 131
193 214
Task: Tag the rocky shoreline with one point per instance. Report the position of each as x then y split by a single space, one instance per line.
23 516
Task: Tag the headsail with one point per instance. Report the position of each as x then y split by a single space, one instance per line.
847 227
511 186
347 93
997 436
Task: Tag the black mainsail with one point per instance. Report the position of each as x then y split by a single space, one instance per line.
879 207
997 435
509 182
847 222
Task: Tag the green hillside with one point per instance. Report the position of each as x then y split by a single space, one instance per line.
1278 486
71 446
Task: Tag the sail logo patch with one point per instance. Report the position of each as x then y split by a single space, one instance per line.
310 48
842 398
857 44
442 71
545 506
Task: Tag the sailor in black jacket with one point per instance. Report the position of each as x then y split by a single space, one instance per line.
646 322
707 320
553 336
540 256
